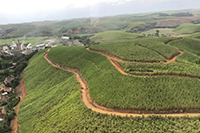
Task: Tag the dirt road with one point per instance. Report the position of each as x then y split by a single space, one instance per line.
173 60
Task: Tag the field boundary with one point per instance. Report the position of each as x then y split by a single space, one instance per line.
91 104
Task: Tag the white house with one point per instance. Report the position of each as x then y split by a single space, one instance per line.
13 45
5 48
29 46
65 37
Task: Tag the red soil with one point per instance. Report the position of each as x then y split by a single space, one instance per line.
16 108
98 108
173 60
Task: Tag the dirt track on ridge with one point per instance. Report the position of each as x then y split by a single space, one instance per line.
98 108
22 95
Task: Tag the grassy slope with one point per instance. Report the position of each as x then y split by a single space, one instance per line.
164 31
190 49
129 51
110 88
146 49
187 28
151 68
132 25
112 36
53 104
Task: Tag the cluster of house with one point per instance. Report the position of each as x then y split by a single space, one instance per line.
4 95
16 49
21 48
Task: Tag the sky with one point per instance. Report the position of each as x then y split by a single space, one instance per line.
18 11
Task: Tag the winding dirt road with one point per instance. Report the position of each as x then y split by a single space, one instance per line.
173 60
95 107
22 95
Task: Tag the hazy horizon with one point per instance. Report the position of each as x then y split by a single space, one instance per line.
13 12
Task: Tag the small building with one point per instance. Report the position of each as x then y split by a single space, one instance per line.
13 45
65 37
1 116
6 89
5 48
5 93
29 46
9 79
23 46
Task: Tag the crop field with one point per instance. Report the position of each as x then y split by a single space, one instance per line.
150 49
153 68
187 28
112 89
129 51
53 104
162 31
190 46
132 25
112 36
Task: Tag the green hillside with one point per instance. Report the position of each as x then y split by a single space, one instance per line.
115 90
190 46
113 36
53 104
151 49
187 28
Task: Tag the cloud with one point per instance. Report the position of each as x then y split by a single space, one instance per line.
27 6
15 11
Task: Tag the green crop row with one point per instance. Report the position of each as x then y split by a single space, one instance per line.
110 88
153 68
53 104
113 36
150 49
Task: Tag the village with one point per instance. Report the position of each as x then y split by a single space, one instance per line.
4 91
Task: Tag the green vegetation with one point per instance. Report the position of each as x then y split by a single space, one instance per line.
150 49
132 25
112 89
187 28
163 31
129 51
113 36
139 27
190 46
159 68
57 106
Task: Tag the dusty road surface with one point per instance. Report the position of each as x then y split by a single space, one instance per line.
173 60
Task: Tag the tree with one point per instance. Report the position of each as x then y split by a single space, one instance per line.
6 73
157 33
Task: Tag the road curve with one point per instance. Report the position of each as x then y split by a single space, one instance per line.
98 108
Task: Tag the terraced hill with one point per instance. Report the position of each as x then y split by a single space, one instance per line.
114 90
